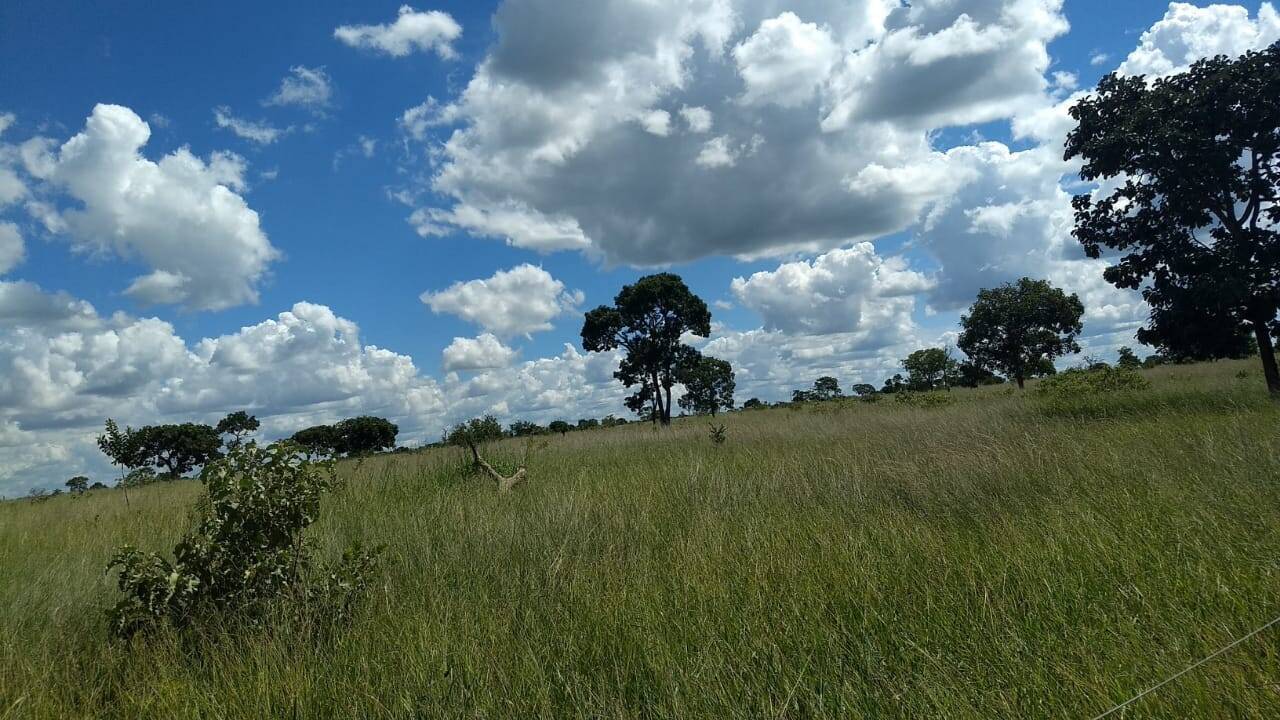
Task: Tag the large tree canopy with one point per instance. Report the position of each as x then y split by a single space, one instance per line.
1195 159
708 384
647 320
1017 328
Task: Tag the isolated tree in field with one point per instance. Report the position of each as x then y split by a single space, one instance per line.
524 428
826 388
475 431
317 440
122 447
1196 213
77 484
863 389
178 448
647 320
708 384
239 425
98 486
752 404
927 368
1018 328
1127 359
559 426
365 434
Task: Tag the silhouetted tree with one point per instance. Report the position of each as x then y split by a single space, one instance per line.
78 484
238 425
1196 211
967 374
1017 328
178 448
317 440
752 404
647 320
559 426
524 428
894 384
863 389
365 434
588 423
708 384
1126 358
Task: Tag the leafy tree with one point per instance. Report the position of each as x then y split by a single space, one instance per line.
708 384
317 440
524 428
802 396
1128 359
78 484
139 477
1017 328
476 430
967 374
365 434
179 448
753 404
1196 213
1193 329
559 426
588 423
609 421
647 320
894 384
927 368
238 425
98 486
122 447
863 389
826 388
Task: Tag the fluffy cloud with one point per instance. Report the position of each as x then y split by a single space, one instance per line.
797 103
785 61
430 31
850 290
519 301
485 352
1187 33
305 87
260 132
183 216
12 250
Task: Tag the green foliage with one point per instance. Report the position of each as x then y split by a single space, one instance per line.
927 369
717 433
1127 359
364 435
588 423
246 550
1018 328
139 477
317 440
1194 211
609 421
178 448
77 484
709 385
239 425
1077 382
524 428
826 388
122 447
476 430
863 389
753 404
559 426
647 321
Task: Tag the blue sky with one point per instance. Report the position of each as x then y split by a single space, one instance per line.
541 114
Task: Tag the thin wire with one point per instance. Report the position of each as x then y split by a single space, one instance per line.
1188 669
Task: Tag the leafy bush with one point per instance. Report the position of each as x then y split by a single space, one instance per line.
717 434
1100 380
246 551
477 430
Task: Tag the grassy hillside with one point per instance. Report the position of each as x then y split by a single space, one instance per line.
994 557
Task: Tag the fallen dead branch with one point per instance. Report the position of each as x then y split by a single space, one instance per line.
504 483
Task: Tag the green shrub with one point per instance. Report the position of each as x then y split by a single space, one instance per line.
1102 380
246 551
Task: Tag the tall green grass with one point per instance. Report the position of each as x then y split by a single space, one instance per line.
991 557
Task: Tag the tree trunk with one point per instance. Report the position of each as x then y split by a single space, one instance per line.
1021 383
666 411
1268 353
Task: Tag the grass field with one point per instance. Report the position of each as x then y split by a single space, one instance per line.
994 557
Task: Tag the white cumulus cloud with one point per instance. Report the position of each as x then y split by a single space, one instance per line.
429 31
519 301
